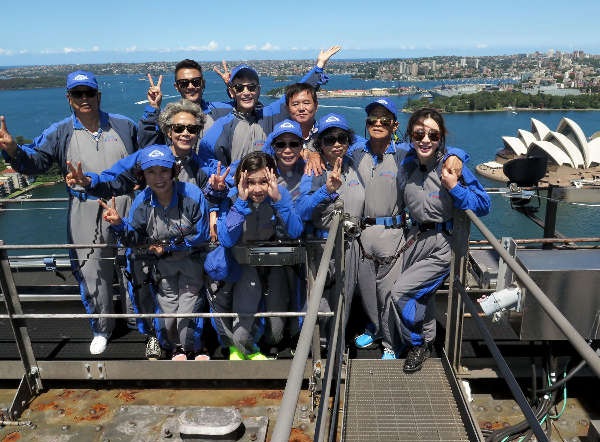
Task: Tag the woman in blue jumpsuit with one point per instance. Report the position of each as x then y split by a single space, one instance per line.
434 183
171 218
257 208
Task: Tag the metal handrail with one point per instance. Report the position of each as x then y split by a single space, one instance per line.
572 335
285 419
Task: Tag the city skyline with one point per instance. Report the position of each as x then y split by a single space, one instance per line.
61 32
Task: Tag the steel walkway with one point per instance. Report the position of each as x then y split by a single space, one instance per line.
382 403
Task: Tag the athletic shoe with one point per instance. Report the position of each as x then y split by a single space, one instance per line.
153 350
258 356
235 354
365 340
98 344
415 358
388 353
179 355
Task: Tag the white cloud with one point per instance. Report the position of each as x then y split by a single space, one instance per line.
481 45
5 51
250 47
269 47
211 46
228 48
131 49
95 48
72 50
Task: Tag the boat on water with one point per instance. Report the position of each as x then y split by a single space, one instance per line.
543 320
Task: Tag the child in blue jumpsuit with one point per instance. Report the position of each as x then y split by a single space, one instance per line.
256 209
171 218
434 183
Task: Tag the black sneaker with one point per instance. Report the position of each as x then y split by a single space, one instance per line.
153 350
415 358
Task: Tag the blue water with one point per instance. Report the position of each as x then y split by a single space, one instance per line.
29 112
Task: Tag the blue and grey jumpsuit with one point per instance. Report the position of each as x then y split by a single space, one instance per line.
182 229
242 222
426 262
69 140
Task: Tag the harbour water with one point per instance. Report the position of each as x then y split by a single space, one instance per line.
28 112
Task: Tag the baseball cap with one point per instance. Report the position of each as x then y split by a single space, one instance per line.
332 120
81 78
385 102
242 68
156 155
284 127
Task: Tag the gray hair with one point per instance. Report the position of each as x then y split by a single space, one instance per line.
172 109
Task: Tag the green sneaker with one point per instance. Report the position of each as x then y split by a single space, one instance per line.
258 356
235 354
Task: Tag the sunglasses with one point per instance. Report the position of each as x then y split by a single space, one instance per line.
191 128
184 82
419 134
239 88
384 121
280 145
88 93
330 140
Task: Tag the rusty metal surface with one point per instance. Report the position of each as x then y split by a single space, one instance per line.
145 414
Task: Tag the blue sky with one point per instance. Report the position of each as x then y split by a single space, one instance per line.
61 32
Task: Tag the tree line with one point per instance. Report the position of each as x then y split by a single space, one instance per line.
501 100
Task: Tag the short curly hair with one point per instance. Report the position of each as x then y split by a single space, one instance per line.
172 109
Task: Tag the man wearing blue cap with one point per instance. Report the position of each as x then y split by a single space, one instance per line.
95 140
245 129
378 163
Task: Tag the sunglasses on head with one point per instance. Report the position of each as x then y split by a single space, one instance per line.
88 93
239 88
191 128
384 121
279 145
330 140
184 82
419 134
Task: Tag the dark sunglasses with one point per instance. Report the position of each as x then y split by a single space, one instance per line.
184 82
384 121
239 88
279 145
88 93
191 128
330 140
419 134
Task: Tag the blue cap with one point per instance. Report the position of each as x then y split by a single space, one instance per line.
285 127
242 68
332 120
81 78
156 155
385 102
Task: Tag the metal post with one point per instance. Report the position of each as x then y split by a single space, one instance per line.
31 384
550 221
458 267
281 432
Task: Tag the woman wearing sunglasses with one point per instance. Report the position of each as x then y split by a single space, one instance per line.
378 163
434 183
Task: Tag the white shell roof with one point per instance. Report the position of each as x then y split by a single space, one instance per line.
573 132
568 146
515 144
558 155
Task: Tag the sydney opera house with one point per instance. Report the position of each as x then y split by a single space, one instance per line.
572 158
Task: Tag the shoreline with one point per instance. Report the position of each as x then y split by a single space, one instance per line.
517 109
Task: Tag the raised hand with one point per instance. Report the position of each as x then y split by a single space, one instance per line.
243 186
154 93
324 56
110 213
217 181
314 164
334 178
273 189
223 74
7 142
76 177
451 172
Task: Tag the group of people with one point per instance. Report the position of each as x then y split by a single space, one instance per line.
195 174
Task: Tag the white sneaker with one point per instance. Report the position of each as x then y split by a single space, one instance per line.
98 344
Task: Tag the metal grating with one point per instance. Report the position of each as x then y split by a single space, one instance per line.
385 404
